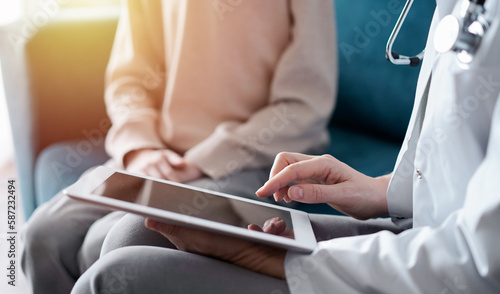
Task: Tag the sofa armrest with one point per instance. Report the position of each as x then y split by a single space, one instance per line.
54 82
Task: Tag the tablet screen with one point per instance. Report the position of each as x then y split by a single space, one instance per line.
189 202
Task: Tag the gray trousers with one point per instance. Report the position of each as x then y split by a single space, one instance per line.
148 269
63 237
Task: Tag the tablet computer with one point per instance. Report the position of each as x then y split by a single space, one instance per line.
192 207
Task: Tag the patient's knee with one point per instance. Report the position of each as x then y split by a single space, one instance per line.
131 231
110 275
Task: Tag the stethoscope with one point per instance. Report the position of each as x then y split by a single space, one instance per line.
461 34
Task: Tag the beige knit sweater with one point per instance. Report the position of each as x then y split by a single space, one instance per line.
226 83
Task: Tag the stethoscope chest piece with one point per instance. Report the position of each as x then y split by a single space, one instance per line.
463 35
446 34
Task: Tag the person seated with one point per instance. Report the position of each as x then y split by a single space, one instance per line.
442 198
205 93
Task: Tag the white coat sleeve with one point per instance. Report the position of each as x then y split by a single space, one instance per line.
460 256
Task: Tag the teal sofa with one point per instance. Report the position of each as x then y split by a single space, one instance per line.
375 97
55 88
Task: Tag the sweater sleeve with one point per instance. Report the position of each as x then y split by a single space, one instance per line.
301 100
135 80
460 256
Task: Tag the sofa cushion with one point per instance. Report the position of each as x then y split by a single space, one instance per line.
376 96
370 155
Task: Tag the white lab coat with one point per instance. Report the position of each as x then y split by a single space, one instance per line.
447 177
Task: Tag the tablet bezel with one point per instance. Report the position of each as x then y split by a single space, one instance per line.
304 241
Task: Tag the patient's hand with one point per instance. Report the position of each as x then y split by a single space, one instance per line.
256 257
274 226
163 164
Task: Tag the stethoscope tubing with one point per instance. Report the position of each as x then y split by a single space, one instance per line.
394 57
465 42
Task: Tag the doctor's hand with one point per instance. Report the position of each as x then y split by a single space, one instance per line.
324 179
163 164
255 257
